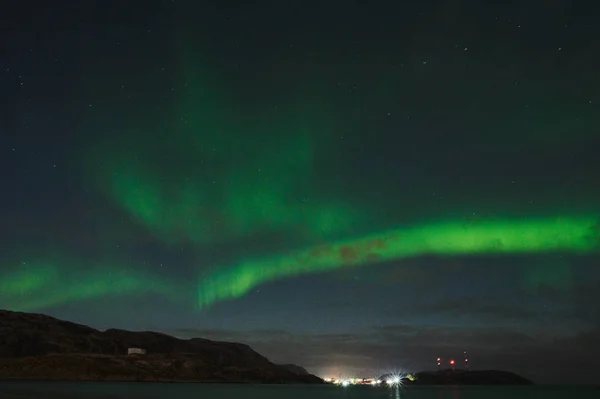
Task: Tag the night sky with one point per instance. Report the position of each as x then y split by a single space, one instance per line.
356 187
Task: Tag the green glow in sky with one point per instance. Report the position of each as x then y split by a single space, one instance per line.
221 171
216 170
40 285
269 192
445 238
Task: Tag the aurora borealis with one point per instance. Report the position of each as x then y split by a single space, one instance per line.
511 237
214 170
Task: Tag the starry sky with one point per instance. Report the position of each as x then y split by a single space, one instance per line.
355 187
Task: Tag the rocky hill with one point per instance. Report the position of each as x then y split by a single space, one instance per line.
35 346
295 369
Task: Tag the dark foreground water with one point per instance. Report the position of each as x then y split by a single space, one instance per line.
72 390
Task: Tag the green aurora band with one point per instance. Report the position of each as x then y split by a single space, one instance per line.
221 171
42 284
575 235
39 285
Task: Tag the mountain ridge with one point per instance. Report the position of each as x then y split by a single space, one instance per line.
38 346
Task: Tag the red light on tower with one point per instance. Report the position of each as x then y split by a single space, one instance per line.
452 363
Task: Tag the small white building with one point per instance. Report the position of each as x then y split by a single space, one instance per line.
136 351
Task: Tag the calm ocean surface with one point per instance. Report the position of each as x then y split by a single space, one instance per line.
71 390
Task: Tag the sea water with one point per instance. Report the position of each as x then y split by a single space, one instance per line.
108 390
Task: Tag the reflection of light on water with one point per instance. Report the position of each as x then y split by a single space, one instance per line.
397 392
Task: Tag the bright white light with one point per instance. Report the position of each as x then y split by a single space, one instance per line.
396 379
345 383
